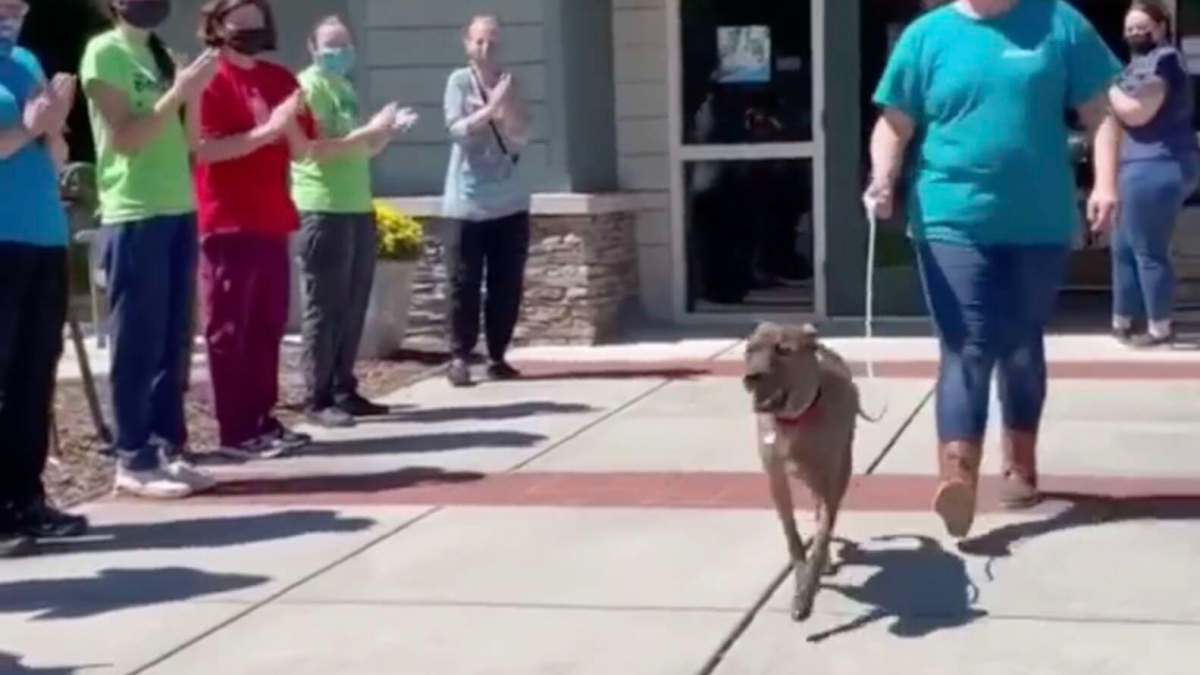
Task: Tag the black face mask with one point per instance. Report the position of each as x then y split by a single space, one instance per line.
251 41
143 14
1140 44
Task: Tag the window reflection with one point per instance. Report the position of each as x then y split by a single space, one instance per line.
747 71
750 235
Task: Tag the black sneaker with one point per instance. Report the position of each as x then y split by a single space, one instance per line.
292 440
1148 341
260 448
39 520
357 406
459 373
13 545
330 418
501 370
1123 335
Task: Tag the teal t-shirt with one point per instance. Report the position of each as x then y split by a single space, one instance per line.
990 162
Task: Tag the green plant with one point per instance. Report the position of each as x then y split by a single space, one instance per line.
401 237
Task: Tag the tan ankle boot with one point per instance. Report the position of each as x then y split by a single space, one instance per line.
1018 489
956 493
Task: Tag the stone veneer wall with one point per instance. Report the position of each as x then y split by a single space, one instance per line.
581 278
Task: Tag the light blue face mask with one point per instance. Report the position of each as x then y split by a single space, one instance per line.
10 29
336 61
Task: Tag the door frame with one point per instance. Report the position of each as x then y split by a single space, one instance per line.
680 154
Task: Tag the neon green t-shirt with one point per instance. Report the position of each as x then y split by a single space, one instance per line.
155 181
341 184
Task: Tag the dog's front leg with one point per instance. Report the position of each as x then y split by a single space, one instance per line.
808 584
781 495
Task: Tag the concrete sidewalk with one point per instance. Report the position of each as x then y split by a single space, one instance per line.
607 515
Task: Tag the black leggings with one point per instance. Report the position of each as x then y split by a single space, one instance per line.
500 249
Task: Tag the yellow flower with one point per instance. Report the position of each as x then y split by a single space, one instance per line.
401 237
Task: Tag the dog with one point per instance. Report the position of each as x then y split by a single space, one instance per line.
807 406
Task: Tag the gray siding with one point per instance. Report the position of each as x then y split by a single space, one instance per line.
409 49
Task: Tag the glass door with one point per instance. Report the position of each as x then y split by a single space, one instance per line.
747 156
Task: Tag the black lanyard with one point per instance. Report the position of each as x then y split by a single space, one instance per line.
495 132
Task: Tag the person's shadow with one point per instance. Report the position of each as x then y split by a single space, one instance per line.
923 589
12 664
1082 510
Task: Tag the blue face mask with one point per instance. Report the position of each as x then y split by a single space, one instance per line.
336 61
9 31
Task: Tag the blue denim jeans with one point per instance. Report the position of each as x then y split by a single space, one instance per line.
1152 195
990 305
151 269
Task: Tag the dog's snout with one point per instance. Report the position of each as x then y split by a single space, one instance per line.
751 380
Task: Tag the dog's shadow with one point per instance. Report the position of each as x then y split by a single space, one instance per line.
923 589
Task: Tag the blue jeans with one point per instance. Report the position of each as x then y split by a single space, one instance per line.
990 305
151 269
1152 195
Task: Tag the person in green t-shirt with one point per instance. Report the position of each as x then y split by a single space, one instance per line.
135 96
332 190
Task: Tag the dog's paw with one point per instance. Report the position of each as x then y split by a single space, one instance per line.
801 610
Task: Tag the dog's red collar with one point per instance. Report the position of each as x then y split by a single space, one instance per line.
804 417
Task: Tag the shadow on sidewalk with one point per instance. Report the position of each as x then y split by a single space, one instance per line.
11 664
923 589
422 443
200 533
577 372
114 590
510 411
360 484
1082 510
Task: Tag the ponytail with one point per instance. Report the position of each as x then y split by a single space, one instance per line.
162 59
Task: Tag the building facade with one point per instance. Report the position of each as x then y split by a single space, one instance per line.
725 140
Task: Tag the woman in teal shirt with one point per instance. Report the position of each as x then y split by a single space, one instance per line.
981 88
33 294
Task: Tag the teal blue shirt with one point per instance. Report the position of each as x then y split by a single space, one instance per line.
990 162
30 210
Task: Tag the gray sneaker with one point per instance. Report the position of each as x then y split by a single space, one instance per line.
152 484
331 418
175 464
263 447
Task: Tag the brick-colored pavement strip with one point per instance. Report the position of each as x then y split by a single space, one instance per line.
690 369
708 490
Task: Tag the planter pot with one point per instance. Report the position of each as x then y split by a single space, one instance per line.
387 314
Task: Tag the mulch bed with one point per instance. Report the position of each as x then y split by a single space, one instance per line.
79 469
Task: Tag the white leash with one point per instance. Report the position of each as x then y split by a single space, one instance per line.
872 207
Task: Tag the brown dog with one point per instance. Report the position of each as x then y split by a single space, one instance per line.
807 406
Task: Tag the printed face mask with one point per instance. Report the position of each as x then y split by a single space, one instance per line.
144 14
339 61
1140 43
251 41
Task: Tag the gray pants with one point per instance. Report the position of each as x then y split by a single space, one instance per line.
338 256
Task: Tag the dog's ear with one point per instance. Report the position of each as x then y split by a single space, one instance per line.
798 339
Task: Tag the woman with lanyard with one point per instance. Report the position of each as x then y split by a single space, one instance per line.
245 131
1160 164
135 95
489 125
332 190
33 294
981 87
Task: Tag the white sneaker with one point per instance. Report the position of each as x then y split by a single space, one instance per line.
185 472
152 484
